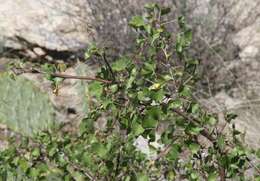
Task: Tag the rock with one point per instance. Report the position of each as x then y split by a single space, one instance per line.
56 25
228 34
248 40
62 25
248 113
71 101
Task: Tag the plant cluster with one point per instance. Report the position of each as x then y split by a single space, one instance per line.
148 97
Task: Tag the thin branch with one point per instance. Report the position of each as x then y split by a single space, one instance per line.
81 78
164 152
65 76
85 171
253 165
222 174
168 22
204 132
108 66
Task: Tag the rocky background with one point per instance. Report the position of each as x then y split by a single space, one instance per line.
226 41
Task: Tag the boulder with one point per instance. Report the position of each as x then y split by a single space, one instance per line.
62 25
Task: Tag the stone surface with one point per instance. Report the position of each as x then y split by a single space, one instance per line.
247 111
228 41
57 25
66 25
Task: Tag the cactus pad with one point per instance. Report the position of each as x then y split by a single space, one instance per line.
23 107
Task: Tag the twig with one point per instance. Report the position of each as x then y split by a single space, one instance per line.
209 137
168 22
80 77
86 172
253 165
164 152
204 132
108 66
222 174
65 76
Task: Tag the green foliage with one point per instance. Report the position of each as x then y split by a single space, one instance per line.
150 101
23 107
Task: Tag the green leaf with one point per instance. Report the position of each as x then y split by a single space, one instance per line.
155 37
194 148
221 142
121 64
179 44
174 104
212 120
258 153
194 175
88 160
158 95
150 123
145 94
185 91
131 79
188 37
195 108
52 149
23 164
181 22
42 167
230 117
212 176
194 130
148 29
148 68
92 50
174 152
152 116
165 11
150 6
87 55
137 22
171 175
78 176
34 172
86 126
137 129
154 112
257 178
114 88
99 149
36 152
142 177
95 89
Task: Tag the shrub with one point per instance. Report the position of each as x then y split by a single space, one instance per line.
155 129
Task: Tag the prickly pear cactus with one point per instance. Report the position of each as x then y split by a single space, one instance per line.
82 86
23 107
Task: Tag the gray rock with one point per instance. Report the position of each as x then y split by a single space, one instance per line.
56 25
248 113
66 25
